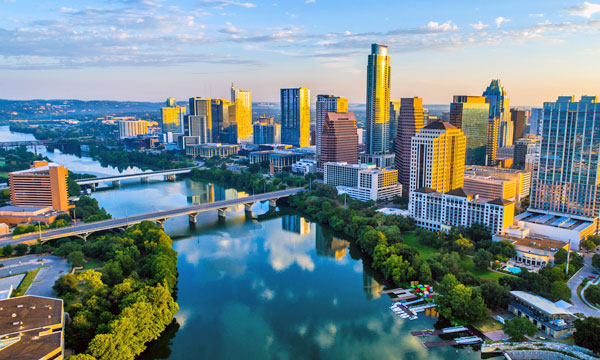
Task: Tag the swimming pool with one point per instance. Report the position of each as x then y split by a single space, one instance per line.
513 270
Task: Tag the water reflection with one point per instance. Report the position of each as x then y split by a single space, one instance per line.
295 223
328 245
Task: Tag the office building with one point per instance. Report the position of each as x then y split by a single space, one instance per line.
380 160
530 250
172 117
526 152
242 100
339 139
363 182
304 166
378 100
437 157
278 159
410 121
497 97
394 114
132 127
32 328
566 180
438 211
199 120
470 114
326 104
295 116
521 178
519 118
491 151
209 150
224 127
506 135
549 317
266 131
43 185
490 187
535 118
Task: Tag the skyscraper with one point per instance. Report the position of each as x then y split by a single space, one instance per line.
242 111
339 139
471 115
378 100
295 116
327 104
519 119
566 179
224 127
506 134
394 114
266 131
438 157
534 120
497 97
526 152
172 117
199 107
410 121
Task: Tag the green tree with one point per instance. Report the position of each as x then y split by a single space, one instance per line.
369 239
425 274
560 291
495 295
588 245
76 258
7 250
65 284
594 238
21 249
592 294
482 259
588 333
596 261
518 327
81 357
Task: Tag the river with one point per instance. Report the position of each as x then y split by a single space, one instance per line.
282 288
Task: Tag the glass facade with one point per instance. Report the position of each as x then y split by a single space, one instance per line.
378 100
471 115
295 116
566 177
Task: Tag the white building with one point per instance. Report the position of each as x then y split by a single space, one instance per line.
363 182
305 166
440 212
132 128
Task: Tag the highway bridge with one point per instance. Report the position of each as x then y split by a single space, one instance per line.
116 179
27 143
192 211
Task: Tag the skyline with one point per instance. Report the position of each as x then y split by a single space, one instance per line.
146 50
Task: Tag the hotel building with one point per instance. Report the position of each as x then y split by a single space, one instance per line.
172 117
266 131
131 128
326 104
43 185
363 182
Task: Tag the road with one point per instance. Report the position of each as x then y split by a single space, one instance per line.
152 216
133 176
53 267
578 305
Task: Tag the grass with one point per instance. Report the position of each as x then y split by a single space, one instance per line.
26 283
424 250
488 324
569 340
467 264
93 264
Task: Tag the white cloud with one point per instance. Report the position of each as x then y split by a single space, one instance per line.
219 4
479 26
536 15
586 10
310 1
447 26
500 19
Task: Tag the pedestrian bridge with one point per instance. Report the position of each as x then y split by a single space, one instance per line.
116 179
192 211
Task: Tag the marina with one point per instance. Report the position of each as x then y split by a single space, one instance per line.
466 340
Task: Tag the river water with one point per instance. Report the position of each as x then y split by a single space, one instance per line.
280 288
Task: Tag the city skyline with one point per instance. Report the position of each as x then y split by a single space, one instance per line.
147 50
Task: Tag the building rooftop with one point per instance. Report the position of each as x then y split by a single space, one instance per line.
24 313
555 220
536 242
539 302
36 169
440 125
500 201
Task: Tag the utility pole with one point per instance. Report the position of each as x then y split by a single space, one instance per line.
568 253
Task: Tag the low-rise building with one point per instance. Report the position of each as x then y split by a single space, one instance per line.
305 166
132 127
210 150
14 215
278 159
32 328
489 187
363 182
521 178
436 211
550 318
531 250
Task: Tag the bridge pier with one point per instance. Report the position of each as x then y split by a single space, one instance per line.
272 203
193 218
248 207
116 183
144 179
161 223
83 236
171 177
222 212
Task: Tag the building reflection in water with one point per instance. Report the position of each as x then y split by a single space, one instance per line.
208 193
328 245
296 224
370 286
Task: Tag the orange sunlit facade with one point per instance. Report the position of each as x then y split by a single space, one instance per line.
43 185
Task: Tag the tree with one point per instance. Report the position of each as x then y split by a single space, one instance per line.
65 284
594 238
518 327
7 250
592 294
588 333
425 274
588 245
560 291
76 258
21 249
482 259
369 239
596 261
495 295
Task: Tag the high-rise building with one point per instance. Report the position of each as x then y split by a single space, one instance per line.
438 157
242 100
266 131
566 179
199 107
534 120
470 114
131 128
506 134
526 152
172 117
394 114
491 151
519 119
497 98
410 121
43 185
327 104
295 116
378 100
339 139
224 127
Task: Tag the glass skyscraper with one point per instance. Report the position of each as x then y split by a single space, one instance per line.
471 115
378 100
327 104
566 178
295 116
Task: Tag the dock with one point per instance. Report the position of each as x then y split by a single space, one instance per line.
449 330
420 308
403 312
404 297
466 340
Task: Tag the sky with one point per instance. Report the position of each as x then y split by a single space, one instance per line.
148 50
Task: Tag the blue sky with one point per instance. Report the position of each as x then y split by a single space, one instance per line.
152 49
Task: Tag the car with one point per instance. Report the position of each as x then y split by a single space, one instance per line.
591 277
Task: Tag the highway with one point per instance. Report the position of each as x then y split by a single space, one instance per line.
83 230
98 180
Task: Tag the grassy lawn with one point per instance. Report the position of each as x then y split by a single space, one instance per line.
488 324
93 264
24 285
425 251
466 263
569 341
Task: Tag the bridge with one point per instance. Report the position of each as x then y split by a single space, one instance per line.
28 143
116 179
192 211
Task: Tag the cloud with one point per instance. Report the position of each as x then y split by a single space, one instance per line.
499 20
310 1
447 26
479 26
536 15
230 29
219 4
586 10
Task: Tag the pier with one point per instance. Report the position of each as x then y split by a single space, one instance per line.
466 340
449 330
